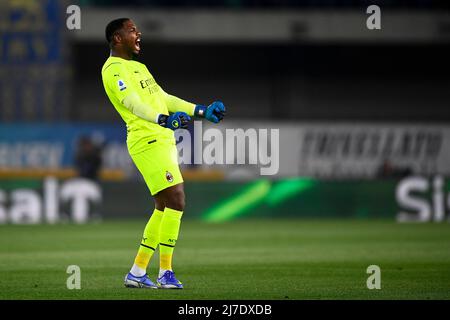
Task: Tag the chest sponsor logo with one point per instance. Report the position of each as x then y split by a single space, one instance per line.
147 83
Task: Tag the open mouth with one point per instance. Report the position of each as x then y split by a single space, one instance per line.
138 44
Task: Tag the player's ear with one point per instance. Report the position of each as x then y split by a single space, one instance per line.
117 38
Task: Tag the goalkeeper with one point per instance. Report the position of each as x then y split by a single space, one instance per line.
151 115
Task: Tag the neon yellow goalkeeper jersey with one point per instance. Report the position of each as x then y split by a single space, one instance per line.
122 78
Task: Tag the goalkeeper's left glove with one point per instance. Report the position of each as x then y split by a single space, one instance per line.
177 120
214 112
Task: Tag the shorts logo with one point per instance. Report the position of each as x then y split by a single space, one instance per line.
169 176
122 85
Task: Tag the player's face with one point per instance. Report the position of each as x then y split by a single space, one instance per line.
131 38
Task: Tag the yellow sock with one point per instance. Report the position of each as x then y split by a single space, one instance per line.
149 241
170 227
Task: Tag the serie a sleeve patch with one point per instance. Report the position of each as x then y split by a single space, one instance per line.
122 85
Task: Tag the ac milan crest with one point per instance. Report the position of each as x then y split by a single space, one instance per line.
169 176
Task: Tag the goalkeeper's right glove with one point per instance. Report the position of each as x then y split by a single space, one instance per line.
214 112
177 120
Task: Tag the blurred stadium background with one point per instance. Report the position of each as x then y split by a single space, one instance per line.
363 115
358 110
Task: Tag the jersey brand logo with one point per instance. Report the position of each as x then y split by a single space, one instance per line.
122 85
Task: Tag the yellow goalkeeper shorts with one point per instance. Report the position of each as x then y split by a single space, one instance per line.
158 164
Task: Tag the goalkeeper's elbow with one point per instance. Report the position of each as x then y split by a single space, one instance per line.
133 103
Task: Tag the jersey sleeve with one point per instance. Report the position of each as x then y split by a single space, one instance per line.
116 79
175 104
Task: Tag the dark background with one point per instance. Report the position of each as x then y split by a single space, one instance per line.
407 82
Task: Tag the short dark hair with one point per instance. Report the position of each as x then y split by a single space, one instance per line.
113 27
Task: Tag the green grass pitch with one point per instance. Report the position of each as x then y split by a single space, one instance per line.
245 259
